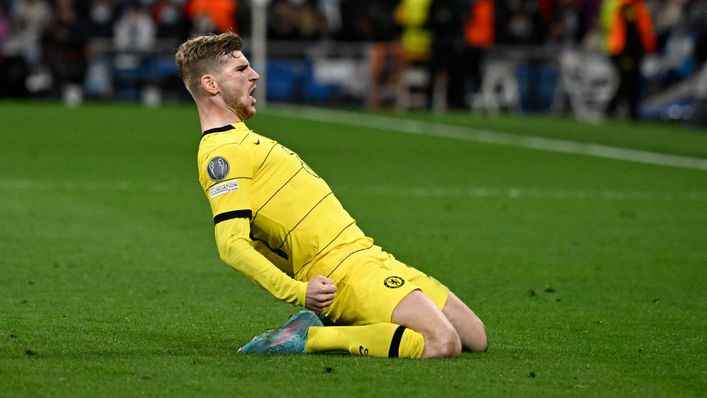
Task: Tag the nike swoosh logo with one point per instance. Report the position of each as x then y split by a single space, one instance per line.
257 142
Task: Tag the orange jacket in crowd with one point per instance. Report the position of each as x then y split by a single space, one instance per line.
479 27
614 17
221 12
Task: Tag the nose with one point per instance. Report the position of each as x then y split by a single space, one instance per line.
254 75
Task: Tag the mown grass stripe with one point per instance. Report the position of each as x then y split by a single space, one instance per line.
486 136
382 190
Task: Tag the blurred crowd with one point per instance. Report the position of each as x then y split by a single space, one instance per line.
46 45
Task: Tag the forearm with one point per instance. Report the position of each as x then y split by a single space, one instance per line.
237 251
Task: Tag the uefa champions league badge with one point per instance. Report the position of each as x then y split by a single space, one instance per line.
218 168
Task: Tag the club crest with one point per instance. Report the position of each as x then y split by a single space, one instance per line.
393 282
218 168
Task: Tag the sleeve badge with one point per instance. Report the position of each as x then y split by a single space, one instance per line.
218 168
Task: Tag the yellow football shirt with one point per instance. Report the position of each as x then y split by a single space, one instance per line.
295 221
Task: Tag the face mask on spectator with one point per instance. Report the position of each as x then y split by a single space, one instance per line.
101 13
169 15
202 23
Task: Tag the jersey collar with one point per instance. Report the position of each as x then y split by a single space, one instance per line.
218 129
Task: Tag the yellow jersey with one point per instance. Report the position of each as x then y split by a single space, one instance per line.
294 219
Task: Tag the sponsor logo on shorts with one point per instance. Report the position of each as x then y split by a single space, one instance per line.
218 168
223 187
393 282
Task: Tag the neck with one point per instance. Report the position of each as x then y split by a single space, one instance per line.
214 113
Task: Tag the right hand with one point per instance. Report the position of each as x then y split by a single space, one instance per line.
320 294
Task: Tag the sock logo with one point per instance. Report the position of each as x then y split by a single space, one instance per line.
363 351
393 282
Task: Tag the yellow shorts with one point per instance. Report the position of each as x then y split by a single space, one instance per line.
371 283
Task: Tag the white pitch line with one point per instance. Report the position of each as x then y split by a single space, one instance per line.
486 136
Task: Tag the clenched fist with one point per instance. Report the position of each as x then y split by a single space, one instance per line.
320 294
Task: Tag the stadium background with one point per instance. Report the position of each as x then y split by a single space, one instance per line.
580 243
403 54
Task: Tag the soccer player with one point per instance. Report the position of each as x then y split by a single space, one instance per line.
279 224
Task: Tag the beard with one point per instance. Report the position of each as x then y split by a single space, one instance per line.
242 106
245 111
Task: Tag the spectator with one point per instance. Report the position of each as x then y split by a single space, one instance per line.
331 11
21 49
385 51
135 30
65 46
629 36
201 24
295 20
668 17
589 15
479 36
445 23
565 24
8 62
101 19
519 22
222 13
351 13
282 21
312 25
28 20
412 16
172 23
697 19
4 28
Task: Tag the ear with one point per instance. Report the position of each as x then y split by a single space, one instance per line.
209 84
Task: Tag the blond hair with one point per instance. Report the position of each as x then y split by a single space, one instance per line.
201 55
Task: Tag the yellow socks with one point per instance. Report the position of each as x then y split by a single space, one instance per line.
376 340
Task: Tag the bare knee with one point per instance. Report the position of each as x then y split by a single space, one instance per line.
417 312
469 327
477 341
444 343
473 335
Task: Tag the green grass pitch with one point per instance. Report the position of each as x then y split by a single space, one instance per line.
590 273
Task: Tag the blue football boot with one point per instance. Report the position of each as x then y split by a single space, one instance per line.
290 338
